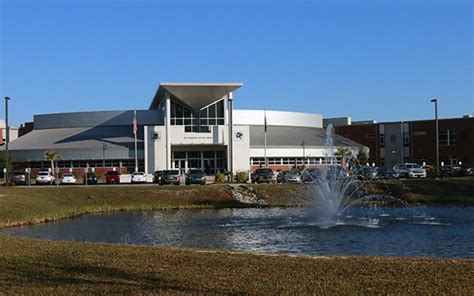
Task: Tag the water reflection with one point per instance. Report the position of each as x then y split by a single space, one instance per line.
418 231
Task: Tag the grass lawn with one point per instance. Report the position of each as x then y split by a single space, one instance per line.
444 190
29 266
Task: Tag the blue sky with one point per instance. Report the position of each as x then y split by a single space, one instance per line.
379 60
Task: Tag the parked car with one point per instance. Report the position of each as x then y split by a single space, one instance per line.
456 170
157 176
195 176
324 172
138 177
264 175
292 177
310 175
19 178
170 177
466 170
90 178
450 170
387 173
68 178
112 177
410 170
44 177
281 176
364 172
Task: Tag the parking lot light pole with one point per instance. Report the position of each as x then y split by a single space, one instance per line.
435 101
7 139
104 147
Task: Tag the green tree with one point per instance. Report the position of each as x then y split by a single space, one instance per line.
3 163
345 154
52 156
362 155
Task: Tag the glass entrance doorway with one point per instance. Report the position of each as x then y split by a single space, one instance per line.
210 162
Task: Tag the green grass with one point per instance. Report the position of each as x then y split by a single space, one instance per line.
21 205
29 266
444 190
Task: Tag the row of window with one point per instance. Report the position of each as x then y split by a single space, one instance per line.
287 161
197 121
87 163
446 138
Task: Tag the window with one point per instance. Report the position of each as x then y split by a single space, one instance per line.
393 139
406 139
447 138
200 121
382 140
369 136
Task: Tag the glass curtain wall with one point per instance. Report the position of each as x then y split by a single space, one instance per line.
199 121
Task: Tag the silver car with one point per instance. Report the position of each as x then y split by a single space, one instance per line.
292 178
410 170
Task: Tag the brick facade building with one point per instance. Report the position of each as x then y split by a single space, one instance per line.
414 141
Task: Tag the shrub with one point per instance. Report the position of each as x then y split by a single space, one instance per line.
220 178
241 177
431 172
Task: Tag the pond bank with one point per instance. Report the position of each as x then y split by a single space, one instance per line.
22 205
29 266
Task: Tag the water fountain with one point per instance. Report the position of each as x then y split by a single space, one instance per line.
337 186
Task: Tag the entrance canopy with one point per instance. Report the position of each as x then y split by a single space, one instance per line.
194 95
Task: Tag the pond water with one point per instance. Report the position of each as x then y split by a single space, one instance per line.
435 231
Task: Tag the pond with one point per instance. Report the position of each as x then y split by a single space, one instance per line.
435 231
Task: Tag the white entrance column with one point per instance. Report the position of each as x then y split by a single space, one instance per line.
230 99
168 130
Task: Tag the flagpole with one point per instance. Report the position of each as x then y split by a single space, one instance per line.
135 127
265 138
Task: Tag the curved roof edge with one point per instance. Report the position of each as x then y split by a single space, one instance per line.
277 118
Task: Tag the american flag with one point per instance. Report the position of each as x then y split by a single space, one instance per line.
135 127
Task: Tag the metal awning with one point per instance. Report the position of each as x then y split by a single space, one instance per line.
194 95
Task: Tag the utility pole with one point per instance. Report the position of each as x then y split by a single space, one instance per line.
7 140
435 101
104 147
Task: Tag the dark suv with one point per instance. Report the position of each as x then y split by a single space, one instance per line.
157 176
19 178
195 176
91 179
265 175
170 177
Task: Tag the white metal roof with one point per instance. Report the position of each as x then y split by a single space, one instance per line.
194 95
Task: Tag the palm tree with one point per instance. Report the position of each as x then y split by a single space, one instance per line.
345 154
362 155
52 156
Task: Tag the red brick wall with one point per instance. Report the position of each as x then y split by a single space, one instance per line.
357 133
424 146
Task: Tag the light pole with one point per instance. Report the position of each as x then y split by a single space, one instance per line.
104 147
7 139
435 101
